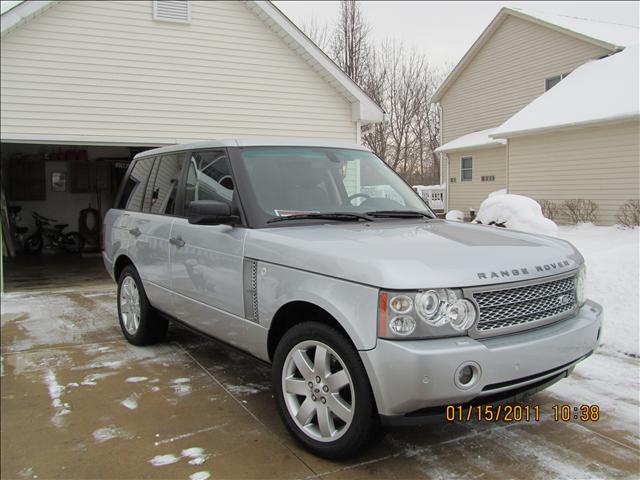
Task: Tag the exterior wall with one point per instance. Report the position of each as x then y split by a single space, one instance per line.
596 163
466 195
508 73
105 70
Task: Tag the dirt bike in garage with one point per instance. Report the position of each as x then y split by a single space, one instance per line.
50 234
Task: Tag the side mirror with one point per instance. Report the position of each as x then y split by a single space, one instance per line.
210 212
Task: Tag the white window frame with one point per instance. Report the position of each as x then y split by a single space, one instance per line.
171 20
546 80
463 169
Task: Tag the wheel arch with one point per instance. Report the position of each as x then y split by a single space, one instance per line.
295 312
121 262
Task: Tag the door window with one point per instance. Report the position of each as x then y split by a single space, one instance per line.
134 189
161 198
209 178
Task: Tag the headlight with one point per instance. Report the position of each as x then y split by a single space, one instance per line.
424 314
581 281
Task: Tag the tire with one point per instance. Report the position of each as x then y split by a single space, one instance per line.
33 244
73 242
140 325
302 407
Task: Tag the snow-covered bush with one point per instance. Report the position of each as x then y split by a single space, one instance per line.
629 215
581 211
550 209
455 215
514 211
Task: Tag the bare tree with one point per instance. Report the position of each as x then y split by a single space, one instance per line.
350 47
318 33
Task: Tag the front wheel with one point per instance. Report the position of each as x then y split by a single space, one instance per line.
323 392
33 244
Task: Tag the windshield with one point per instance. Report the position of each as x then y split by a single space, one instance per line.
289 181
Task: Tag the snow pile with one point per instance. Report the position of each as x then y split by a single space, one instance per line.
516 212
455 215
613 261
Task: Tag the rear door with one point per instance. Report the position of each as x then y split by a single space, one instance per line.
150 228
206 260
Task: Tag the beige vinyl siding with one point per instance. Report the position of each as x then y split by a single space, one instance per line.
508 73
466 195
95 69
596 163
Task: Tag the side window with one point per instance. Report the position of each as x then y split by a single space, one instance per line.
209 177
466 169
134 188
161 197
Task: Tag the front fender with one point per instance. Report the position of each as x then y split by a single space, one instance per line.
353 305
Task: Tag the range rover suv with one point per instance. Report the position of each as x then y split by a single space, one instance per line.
316 257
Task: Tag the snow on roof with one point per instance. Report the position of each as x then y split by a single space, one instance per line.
479 139
598 91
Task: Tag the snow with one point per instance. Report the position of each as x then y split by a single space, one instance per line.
136 379
110 432
199 476
516 212
481 138
581 99
161 460
455 215
617 34
612 258
130 402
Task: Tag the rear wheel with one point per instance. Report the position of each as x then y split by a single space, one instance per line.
323 392
140 323
73 242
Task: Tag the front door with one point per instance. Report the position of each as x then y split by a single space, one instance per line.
206 260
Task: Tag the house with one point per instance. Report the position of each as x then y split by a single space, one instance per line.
544 106
86 85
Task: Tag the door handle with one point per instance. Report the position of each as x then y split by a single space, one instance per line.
177 241
135 232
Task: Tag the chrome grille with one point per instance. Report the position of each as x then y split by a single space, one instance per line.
519 308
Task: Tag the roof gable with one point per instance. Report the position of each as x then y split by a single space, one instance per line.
608 36
364 109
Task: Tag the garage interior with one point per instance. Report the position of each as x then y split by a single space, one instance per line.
72 185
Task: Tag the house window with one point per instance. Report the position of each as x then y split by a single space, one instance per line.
466 169
551 82
172 11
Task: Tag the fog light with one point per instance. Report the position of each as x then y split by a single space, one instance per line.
467 375
402 325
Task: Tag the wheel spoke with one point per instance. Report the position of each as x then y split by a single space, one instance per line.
306 411
337 380
297 387
321 362
339 408
303 364
325 422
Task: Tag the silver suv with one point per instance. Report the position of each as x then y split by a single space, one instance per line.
316 257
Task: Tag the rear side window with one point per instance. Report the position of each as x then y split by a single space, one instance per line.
209 177
160 197
134 189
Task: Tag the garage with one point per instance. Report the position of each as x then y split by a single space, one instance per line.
87 85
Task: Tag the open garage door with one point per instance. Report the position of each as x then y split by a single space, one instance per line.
55 199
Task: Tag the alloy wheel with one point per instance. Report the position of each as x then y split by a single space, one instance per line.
130 305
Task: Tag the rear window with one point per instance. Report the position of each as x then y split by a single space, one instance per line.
133 192
161 197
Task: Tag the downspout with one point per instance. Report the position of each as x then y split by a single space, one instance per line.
444 164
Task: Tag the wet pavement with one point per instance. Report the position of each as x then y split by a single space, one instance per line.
79 402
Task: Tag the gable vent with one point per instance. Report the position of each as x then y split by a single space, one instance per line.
172 11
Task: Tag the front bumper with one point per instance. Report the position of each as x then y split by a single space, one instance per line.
407 376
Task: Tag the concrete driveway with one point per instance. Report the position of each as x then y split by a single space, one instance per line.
79 402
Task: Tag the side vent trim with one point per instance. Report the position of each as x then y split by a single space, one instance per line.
250 283
172 11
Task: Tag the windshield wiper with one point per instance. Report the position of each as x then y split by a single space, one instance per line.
338 216
399 214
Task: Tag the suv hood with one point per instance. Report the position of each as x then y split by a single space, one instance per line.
399 254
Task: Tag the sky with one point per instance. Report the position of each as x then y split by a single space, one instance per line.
446 30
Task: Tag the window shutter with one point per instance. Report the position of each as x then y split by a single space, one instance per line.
172 11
